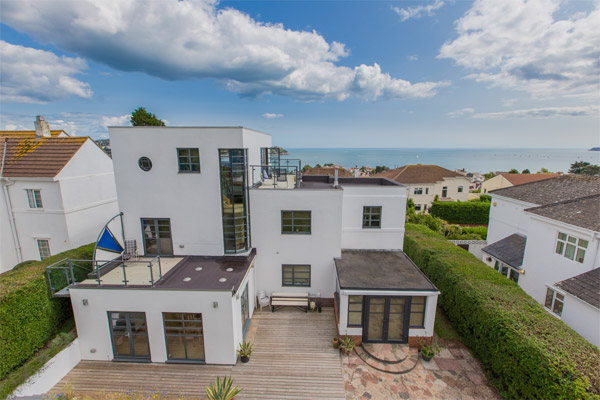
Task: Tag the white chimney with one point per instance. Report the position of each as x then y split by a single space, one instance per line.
335 179
42 129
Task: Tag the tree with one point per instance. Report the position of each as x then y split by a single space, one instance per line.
380 168
513 171
584 168
306 168
489 175
318 166
543 171
141 117
328 165
526 171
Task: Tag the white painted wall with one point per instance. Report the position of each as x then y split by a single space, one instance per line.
220 334
191 200
390 236
507 217
582 317
430 190
317 249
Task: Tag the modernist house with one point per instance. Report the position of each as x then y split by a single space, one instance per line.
505 179
221 219
545 236
425 182
57 192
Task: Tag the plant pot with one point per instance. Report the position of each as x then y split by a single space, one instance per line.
336 343
245 359
426 358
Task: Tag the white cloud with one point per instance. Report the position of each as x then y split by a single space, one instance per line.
508 102
524 45
271 115
547 112
38 76
458 113
413 57
195 39
75 124
418 11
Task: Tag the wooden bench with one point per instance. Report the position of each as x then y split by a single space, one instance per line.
299 300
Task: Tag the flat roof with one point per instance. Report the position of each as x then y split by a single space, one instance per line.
380 270
208 273
326 182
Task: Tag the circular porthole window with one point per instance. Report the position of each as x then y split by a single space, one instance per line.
145 163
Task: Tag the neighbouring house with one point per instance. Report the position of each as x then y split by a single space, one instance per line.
504 179
425 182
57 193
342 172
545 236
221 223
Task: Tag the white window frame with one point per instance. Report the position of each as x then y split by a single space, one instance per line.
554 301
42 256
34 198
561 246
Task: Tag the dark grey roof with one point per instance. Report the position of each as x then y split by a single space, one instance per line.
585 286
326 181
583 212
561 188
509 250
380 270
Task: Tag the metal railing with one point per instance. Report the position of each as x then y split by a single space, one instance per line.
285 175
65 273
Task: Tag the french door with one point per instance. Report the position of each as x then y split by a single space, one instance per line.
157 236
386 319
129 333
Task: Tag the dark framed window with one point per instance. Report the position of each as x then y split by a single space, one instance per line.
295 222
184 336
418 190
372 217
145 164
129 334
234 196
355 310
417 207
460 189
444 191
44 248
295 275
157 236
417 311
189 160
554 301
34 197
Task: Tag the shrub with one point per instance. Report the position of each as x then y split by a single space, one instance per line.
29 316
456 212
527 352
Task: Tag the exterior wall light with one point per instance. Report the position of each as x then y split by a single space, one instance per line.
85 302
522 272
215 304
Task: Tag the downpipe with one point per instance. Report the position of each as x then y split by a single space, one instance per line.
13 227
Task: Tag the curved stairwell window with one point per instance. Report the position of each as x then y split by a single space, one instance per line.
234 196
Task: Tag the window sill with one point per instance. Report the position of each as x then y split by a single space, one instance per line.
188 172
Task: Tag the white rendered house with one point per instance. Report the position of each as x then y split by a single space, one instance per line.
57 193
546 233
219 217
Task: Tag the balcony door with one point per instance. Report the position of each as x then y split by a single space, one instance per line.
157 236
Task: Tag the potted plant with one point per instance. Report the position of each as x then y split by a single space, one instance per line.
347 344
223 390
428 351
245 351
336 342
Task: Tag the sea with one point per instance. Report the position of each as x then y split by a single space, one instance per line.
472 160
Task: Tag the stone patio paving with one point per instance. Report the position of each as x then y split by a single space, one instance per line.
452 374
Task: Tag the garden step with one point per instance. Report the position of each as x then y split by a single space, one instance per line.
386 353
399 368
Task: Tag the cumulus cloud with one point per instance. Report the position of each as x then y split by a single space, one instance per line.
271 115
418 11
458 113
75 124
38 76
195 39
527 45
547 112
413 57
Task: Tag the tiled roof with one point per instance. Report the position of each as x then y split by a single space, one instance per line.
38 158
583 212
418 174
328 171
520 179
585 287
30 134
509 250
561 188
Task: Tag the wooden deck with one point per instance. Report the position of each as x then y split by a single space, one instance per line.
293 359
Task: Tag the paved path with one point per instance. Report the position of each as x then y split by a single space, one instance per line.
293 359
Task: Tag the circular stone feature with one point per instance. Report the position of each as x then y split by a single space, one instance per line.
145 163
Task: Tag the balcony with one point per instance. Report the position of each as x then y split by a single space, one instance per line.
283 175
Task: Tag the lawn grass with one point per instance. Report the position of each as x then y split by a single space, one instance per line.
443 326
64 336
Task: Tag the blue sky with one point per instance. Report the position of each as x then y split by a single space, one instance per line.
438 73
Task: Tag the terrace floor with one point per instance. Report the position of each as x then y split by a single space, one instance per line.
136 271
293 359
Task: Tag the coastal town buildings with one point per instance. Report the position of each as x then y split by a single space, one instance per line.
504 179
426 182
221 225
57 192
545 236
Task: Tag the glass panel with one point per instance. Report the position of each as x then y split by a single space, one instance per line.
121 345
549 297
583 243
140 345
355 318
377 305
562 236
572 239
150 238
570 251
558 306
195 348
375 328
514 275
580 255
560 247
175 347
397 305
355 307
416 319
396 326
234 199
504 270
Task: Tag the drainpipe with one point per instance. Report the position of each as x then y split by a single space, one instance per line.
5 184
335 179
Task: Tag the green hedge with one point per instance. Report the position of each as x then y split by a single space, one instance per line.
29 316
527 352
457 212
